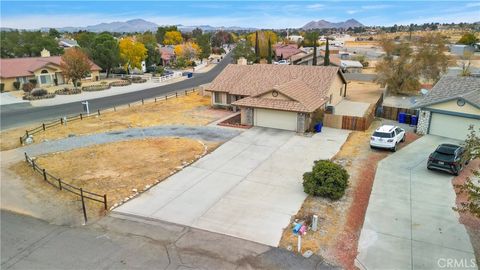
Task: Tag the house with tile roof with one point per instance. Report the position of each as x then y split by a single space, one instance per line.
278 96
285 51
450 107
45 69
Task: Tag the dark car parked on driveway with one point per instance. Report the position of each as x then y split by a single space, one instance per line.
447 157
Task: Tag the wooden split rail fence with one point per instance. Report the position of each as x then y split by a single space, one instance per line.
82 116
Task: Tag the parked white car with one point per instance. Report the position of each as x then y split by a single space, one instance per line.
387 136
281 62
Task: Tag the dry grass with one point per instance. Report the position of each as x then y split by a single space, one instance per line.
118 169
189 110
340 222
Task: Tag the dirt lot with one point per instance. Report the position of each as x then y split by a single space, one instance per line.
340 222
363 91
189 110
119 169
472 224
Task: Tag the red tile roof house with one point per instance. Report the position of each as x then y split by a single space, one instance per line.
167 55
278 96
44 69
284 52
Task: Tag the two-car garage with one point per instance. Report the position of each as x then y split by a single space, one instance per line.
451 126
275 119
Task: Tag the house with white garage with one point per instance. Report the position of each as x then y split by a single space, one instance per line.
278 96
450 107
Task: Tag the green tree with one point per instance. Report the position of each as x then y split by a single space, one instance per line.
196 33
468 39
269 57
243 49
53 33
161 31
27 43
106 52
257 48
153 54
311 40
204 44
326 59
85 40
327 179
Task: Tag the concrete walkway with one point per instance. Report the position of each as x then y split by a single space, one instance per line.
9 98
409 222
248 188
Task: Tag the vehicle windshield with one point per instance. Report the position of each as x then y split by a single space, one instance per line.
382 134
445 150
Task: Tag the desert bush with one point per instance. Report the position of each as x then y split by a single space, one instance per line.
119 70
27 87
92 88
326 179
68 91
137 79
120 83
16 85
33 82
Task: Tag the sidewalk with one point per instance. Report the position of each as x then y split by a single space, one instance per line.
134 87
8 98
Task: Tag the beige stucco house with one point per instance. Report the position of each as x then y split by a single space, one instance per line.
44 69
278 96
450 107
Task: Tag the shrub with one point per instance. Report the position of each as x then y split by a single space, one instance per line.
39 92
326 179
160 71
119 70
78 84
120 83
27 87
137 79
55 81
91 88
103 83
16 85
68 91
2 87
33 81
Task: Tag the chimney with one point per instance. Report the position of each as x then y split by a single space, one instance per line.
45 53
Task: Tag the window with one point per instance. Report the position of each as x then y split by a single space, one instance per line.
217 97
229 99
22 79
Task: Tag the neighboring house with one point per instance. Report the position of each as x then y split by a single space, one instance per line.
450 107
295 38
284 52
351 66
44 69
308 59
67 43
167 53
278 96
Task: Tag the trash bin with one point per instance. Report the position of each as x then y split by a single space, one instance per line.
414 120
401 117
318 127
189 75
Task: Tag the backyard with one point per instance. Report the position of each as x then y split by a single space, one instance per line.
192 109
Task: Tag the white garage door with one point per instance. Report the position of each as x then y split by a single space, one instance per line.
275 119
455 127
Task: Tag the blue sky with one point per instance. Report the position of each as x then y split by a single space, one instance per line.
259 14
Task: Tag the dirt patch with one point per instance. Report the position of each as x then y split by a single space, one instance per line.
120 169
360 91
472 224
193 109
340 222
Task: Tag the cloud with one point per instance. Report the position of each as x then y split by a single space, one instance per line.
352 11
316 6
370 7
472 5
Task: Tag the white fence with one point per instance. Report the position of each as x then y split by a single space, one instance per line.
175 74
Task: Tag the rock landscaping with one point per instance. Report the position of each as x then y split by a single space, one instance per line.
120 83
99 87
68 91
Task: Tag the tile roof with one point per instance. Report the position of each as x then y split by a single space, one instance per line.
306 86
18 67
286 51
249 80
449 88
334 60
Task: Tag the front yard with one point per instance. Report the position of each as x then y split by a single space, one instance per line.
193 109
340 222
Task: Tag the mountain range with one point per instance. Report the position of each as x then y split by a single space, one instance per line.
321 24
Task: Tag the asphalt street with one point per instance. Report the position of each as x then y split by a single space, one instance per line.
20 114
125 243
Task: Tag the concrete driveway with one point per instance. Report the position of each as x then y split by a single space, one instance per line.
248 188
409 222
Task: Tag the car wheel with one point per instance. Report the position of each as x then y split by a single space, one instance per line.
403 138
394 149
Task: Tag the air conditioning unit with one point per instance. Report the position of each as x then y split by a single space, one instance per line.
330 109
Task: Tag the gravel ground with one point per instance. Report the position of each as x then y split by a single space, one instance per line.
203 133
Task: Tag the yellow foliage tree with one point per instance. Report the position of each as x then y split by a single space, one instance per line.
172 38
132 53
263 37
188 51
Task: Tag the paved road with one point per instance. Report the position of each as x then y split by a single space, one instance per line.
20 114
410 223
124 243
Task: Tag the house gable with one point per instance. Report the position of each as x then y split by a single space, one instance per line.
452 106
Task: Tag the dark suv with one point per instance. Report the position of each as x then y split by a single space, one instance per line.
447 157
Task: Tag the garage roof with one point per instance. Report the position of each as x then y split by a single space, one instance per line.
451 88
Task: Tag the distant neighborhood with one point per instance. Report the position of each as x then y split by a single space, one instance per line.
130 144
